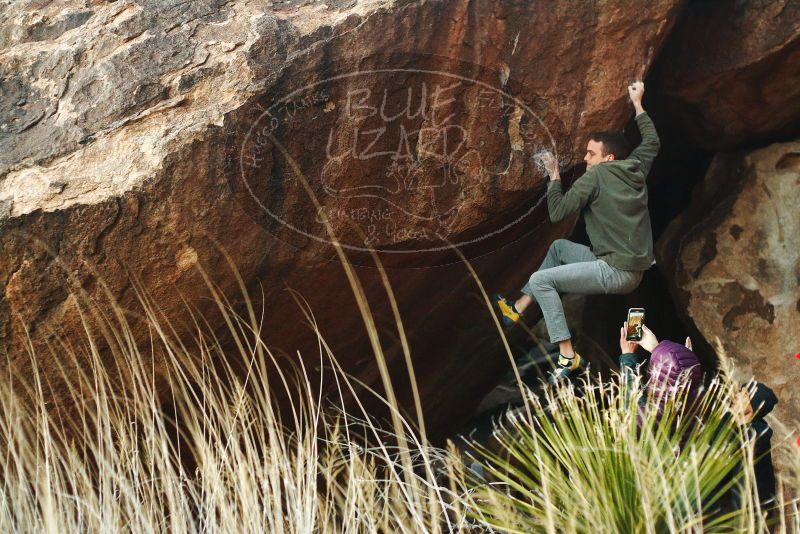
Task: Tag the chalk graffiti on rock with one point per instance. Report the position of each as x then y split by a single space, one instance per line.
404 152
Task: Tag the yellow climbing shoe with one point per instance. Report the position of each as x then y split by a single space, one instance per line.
565 367
508 312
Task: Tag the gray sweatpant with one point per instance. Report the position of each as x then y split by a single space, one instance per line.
573 268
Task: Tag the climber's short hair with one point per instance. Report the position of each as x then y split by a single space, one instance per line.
613 143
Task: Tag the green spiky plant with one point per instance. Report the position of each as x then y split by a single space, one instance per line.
587 463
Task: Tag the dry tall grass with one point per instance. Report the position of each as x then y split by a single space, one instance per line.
220 456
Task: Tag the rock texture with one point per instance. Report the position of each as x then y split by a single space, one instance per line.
734 260
731 72
135 136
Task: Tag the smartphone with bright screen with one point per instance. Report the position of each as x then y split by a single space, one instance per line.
635 322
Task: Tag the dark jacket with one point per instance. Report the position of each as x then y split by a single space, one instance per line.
762 401
762 454
613 195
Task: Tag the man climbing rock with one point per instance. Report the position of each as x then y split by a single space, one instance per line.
613 196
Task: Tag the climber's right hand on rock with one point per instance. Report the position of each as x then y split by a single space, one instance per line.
636 92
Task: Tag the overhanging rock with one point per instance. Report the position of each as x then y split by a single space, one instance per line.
135 135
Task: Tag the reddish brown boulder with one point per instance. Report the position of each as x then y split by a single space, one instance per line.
734 260
137 133
730 72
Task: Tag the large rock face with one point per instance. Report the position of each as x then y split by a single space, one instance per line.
136 135
731 72
734 259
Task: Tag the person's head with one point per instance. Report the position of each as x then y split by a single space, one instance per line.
605 146
753 400
673 368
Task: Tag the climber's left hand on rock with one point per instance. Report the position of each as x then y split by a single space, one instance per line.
550 165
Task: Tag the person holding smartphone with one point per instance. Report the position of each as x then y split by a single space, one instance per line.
669 365
613 196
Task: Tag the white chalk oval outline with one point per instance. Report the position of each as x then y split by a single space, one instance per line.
267 113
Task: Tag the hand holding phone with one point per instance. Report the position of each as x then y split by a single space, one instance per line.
649 340
625 346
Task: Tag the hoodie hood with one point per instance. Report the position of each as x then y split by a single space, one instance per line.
628 171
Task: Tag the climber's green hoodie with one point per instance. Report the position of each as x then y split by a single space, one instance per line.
614 195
